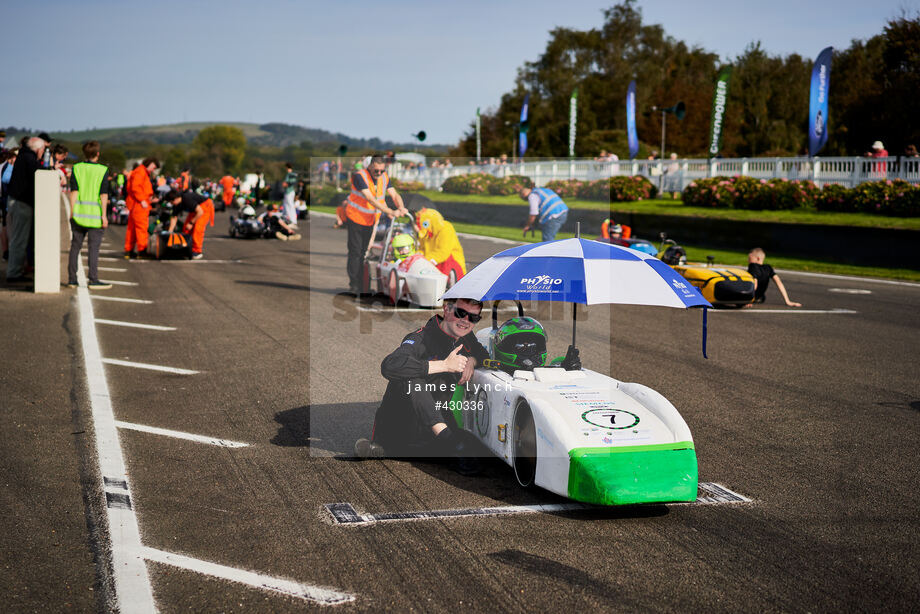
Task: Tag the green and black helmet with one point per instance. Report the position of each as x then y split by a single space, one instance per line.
520 343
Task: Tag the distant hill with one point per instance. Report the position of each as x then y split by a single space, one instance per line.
273 134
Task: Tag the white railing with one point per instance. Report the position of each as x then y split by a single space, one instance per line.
675 175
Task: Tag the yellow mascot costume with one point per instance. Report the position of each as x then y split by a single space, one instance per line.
440 244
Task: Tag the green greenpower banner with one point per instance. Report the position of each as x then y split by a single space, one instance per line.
573 111
718 110
478 136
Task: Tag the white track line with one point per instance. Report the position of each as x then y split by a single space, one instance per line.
121 283
133 592
850 278
117 299
344 514
134 325
112 269
213 441
467 235
317 594
143 365
849 291
789 311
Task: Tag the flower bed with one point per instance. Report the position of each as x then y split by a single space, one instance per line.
616 189
897 198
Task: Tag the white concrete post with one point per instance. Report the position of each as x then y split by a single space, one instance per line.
47 231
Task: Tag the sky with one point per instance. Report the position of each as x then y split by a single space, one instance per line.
383 69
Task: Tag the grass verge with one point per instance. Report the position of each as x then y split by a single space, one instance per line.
698 253
667 206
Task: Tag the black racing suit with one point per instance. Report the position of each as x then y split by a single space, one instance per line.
409 408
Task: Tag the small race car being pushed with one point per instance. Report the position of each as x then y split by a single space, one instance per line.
575 432
400 271
721 286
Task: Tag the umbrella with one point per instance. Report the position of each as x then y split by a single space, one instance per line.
578 271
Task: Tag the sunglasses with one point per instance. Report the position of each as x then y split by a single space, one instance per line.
463 313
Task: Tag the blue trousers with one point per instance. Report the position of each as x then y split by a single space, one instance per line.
550 227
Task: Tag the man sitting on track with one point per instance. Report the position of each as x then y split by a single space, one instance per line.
413 419
277 224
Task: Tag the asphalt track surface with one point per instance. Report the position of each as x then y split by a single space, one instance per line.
812 415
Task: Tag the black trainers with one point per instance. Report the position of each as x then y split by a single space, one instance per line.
72 284
455 447
365 448
98 285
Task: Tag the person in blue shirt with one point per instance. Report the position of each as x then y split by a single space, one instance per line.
547 211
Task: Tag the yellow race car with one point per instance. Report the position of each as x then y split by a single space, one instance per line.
721 286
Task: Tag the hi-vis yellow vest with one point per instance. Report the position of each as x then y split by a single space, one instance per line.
88 211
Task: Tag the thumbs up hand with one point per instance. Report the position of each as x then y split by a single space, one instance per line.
455 363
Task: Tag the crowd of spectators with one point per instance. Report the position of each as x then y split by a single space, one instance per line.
18 165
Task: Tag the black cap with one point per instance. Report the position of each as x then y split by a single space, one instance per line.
44 136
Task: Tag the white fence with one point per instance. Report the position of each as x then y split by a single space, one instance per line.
674 175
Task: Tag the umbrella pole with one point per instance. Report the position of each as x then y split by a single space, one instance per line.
575 305
574 311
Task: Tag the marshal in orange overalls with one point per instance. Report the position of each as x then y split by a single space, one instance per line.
227 182
139 191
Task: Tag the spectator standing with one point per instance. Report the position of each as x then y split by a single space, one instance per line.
21 206
547 211
879 151
138 201
8 156
290 189
672 177
762 274
89 195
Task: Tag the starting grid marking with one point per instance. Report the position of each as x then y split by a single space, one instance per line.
317 594
134 324
709 493
99 297
133 591
224 443
143 365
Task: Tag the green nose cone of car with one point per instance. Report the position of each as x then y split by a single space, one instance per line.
633 474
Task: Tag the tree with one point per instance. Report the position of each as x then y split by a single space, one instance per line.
217 150
873 88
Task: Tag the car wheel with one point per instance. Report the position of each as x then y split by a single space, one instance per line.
525 445
451 278
232 231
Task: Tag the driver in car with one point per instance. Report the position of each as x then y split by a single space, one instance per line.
520 344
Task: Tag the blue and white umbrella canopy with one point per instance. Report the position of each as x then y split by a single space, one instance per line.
577 271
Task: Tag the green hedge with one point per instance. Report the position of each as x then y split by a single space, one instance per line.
614 189
897 198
